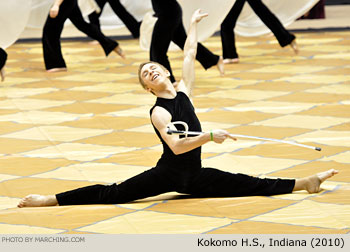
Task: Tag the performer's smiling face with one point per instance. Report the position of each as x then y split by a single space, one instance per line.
153 75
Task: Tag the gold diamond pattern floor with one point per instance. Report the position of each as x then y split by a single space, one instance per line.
91 125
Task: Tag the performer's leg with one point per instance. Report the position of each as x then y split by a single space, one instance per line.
130 22
51 38
161 37
94 17
204 56
107 44
3 58
146 184
216 183
271 21
227 33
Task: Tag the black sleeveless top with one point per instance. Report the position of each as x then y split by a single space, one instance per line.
181 109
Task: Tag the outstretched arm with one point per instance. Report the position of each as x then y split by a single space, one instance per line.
190 51
55 8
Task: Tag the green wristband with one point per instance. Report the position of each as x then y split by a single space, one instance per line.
211 136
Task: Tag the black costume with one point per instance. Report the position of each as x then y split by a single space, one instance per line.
169 27
69 9
130 22
3 58
182 173
269 19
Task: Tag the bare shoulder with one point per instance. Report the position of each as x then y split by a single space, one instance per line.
160 117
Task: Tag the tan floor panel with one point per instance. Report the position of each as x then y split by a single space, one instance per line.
148 222
202 102
266 131
78 151
84 108
341 127
338 196
108 122
7 127
64 217
142 157
280 86
53 83
24 166
95 172
234 208
313 167
12 146
277 150
310 213
308 97
329 110
70 95
234 117
130 139
59 131
19 187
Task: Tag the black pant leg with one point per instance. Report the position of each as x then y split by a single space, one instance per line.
204 56
130 22
52 30
94 17
161 38
3 58
146 184
92 31
216 183
271 21
227 32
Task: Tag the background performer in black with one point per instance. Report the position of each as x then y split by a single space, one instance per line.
59 13
229 51
130 22
169 27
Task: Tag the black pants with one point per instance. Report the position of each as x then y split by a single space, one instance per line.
169 27
269 19
206 182
129 21
53 28
3 58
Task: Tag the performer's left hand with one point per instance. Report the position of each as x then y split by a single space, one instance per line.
197 16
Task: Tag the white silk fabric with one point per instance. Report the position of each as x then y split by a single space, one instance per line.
30 15
14 16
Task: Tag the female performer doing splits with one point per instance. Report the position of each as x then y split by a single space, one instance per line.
179 168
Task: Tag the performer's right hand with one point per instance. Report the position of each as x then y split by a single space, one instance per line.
54 11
